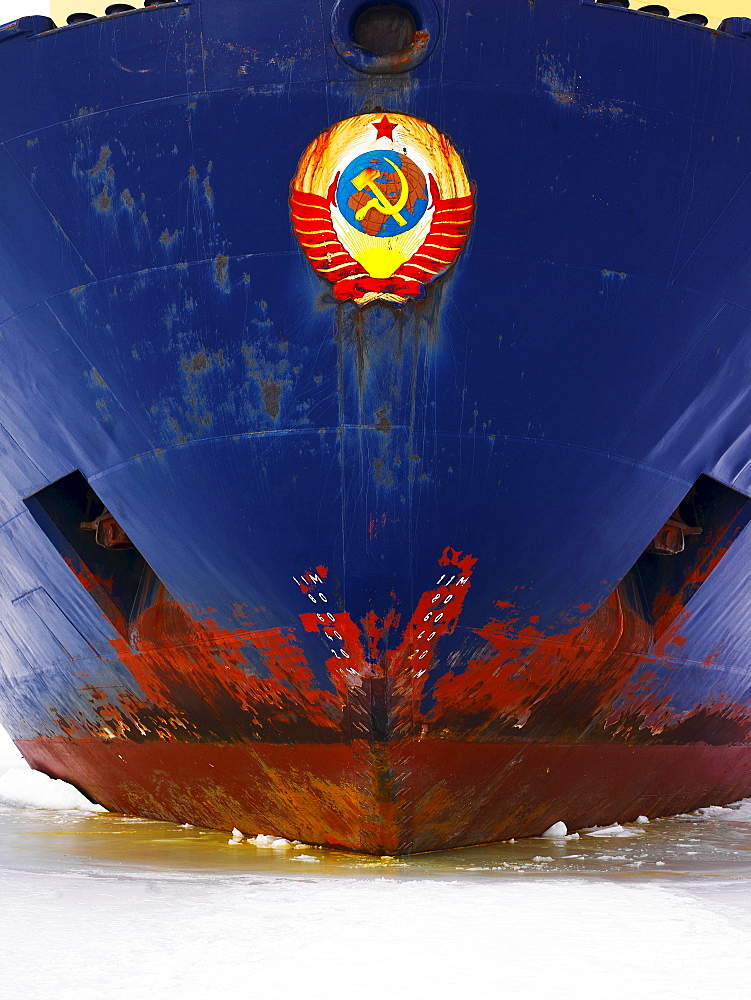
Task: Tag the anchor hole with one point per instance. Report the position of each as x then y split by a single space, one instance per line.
384 29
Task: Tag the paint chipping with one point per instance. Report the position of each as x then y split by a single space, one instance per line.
198 362
221 272
271 392
382 424
101 164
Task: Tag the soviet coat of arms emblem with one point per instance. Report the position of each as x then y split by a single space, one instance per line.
381 206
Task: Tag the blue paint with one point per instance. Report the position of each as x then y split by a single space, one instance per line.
545 408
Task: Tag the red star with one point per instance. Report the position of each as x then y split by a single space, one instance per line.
384 128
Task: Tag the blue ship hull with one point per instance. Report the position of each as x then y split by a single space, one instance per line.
552 443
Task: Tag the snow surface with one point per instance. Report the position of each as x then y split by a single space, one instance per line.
9 753
20 786
316 937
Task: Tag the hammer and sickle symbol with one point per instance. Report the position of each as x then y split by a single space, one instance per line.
367 179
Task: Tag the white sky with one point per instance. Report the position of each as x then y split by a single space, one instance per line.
715 10
59 9
11 9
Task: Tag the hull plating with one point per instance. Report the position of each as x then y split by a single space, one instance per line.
406 597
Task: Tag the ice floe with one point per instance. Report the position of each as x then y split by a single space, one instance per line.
556 832
277 843
20 786
614 830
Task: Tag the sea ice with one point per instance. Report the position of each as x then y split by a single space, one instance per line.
10 755
20 786
714 811
480 935
556 832
265 840
741 810
614 830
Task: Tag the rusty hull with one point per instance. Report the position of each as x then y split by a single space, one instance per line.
393 577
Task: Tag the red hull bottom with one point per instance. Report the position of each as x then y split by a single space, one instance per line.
396 798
